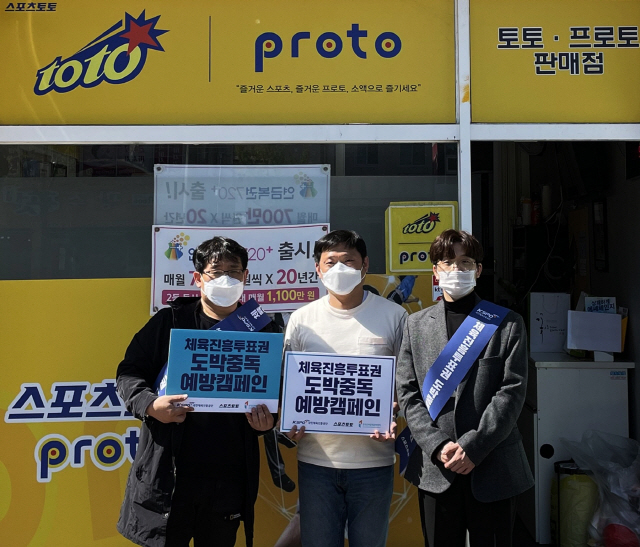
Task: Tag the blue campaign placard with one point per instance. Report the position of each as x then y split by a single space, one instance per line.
248 317
225 371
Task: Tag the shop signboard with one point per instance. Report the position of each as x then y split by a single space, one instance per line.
74 401
547 62
331 393
241 195
284 62
282 275
411 227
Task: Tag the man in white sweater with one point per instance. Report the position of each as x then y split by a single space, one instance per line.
345 478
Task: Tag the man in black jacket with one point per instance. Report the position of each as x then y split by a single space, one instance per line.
195 475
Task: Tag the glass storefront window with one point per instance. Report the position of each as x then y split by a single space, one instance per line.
86 211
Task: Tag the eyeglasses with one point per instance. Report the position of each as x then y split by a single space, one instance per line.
463 265
236 274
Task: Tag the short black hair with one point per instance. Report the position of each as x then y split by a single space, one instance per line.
348 238
442 247
216 249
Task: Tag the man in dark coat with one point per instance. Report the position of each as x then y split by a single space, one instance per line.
469 463
195 475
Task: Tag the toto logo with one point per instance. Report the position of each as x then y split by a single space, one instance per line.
116 56
423 225
328 45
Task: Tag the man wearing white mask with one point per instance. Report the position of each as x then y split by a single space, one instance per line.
195 475
345 478
461 381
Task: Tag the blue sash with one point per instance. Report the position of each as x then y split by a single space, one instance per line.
459 354
452 365
249 317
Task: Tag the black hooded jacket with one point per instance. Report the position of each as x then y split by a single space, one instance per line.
151 482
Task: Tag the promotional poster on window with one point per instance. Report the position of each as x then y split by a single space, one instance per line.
241 195
282 274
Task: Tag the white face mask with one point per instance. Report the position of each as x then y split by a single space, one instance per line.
224 291
456 283
341 279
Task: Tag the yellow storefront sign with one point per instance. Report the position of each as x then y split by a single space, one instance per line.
67 440
572 61
411 227
218 62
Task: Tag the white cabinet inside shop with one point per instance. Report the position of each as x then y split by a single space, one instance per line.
565 397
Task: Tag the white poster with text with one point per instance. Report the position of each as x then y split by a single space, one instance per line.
241 195
282 275
331 393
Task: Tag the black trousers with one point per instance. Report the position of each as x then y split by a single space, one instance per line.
446 518
194 515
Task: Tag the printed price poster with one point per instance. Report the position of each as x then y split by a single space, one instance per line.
225 371
282 275
330 393
241 195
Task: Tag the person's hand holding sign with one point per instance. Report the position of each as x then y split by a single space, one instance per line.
260 418
165 410
391 434
295 434
388 436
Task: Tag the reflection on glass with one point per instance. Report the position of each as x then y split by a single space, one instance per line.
86 211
